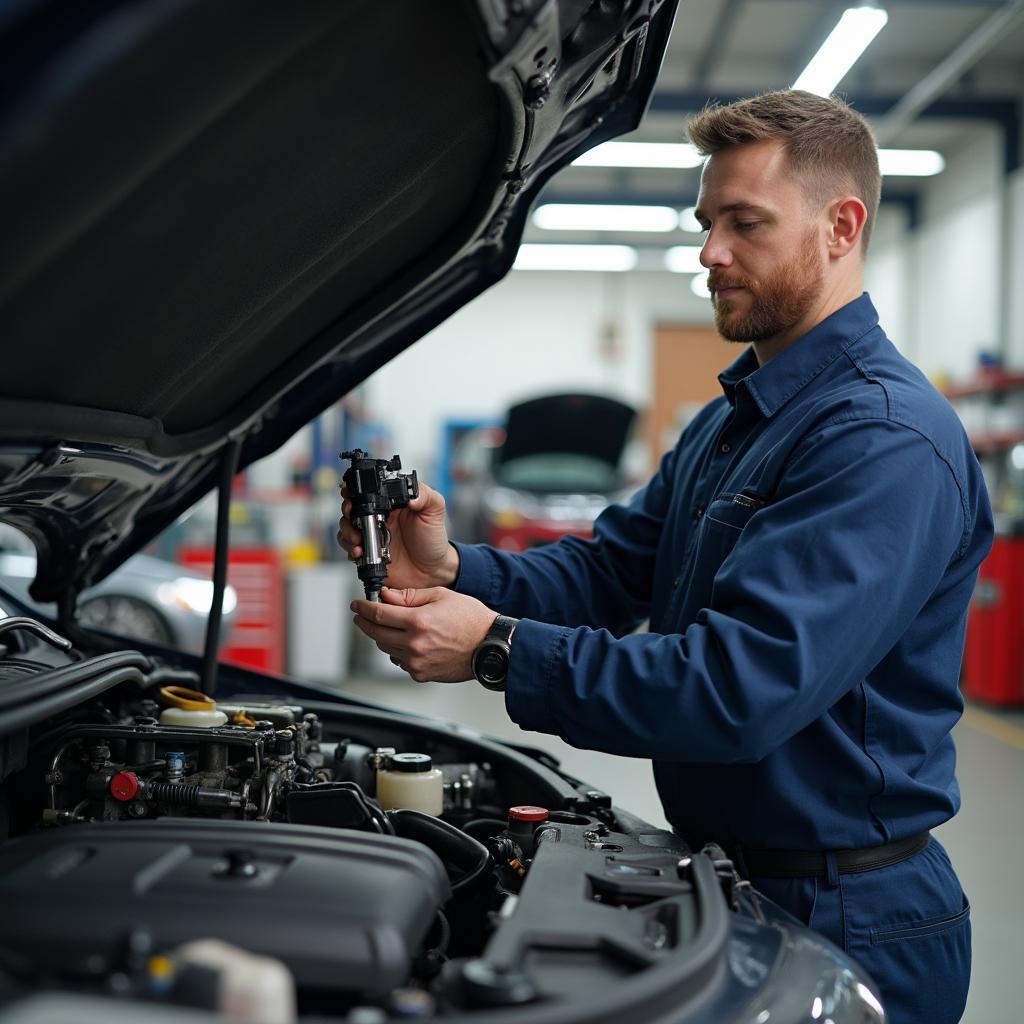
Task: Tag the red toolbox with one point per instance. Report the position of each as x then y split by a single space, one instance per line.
994 657
258 637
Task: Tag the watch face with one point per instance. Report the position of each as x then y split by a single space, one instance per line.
492 664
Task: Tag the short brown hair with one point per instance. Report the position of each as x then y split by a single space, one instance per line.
828 144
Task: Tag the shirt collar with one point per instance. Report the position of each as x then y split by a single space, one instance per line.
775 383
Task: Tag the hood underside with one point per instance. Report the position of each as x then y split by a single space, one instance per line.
593 426
220 217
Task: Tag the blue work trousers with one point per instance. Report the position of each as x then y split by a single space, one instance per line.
907 925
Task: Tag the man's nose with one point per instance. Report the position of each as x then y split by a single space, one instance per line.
713 252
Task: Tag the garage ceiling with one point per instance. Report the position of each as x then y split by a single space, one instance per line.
721 49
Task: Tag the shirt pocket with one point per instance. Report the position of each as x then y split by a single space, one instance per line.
733 510
721 527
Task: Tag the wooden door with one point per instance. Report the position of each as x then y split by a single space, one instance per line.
686 365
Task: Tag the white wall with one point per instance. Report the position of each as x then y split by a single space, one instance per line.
939 289
887 277
531 333
1015 271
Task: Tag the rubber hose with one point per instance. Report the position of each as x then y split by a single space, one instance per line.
447 841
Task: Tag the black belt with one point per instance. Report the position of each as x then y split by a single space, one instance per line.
810 864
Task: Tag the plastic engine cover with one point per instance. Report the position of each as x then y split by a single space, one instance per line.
343 910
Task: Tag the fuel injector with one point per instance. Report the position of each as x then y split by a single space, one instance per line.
376 488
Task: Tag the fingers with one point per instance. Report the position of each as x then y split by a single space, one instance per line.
387 638
410 597
350 540
428 500
393 616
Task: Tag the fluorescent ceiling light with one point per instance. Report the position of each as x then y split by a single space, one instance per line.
641 154
847 41
688 220
594 217
684 259
575 257
916 162
699 286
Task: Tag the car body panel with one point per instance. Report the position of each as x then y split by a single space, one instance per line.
300 246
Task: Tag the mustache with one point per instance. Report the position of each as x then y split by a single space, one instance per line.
717 283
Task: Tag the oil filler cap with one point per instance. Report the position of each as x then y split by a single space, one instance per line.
527 812
124 786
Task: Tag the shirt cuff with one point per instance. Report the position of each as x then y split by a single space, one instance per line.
474 572
537 651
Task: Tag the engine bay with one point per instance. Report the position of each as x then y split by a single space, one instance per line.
164 846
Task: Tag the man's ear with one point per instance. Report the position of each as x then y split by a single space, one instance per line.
846 219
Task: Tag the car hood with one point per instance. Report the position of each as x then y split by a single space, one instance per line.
219 218
575 424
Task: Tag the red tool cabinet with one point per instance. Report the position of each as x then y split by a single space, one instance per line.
994 658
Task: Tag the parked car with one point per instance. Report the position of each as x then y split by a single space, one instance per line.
219 218
551 470
144 599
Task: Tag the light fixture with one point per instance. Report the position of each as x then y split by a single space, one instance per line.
688 220
641 154
595 217
910 162
699 286
190 594
893 162
575 257
846 42
684 259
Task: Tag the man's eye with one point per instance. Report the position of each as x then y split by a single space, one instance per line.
746 225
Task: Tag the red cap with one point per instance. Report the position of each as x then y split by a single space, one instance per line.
527 812
124 786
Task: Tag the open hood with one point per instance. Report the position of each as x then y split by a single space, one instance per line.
571 424
220 217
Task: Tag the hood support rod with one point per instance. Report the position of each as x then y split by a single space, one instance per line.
228 467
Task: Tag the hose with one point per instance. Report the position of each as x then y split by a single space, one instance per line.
34 626
484 827
448 842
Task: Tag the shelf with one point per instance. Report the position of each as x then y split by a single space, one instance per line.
995 385
984 444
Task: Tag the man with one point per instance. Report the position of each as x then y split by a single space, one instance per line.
805 556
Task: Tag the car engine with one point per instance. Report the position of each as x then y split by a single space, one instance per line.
162 845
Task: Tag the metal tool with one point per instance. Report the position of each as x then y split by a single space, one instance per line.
376 488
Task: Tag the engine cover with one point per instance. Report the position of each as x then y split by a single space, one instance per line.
343 910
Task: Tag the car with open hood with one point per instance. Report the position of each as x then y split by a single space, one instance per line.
548 471
218 219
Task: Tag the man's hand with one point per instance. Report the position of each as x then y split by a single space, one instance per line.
420 553
431 634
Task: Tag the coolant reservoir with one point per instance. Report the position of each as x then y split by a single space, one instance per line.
411 781
190 707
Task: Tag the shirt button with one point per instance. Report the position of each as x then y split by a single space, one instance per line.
726 448
698 512
676 582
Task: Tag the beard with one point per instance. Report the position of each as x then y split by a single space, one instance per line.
777 302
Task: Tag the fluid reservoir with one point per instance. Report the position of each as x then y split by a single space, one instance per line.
411 781
189 707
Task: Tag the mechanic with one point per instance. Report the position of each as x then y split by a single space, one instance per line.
805 556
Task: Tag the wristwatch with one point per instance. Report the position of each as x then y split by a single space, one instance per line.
490 659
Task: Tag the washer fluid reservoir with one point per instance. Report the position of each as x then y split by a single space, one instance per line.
411 781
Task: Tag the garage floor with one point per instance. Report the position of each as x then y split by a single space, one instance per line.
984 840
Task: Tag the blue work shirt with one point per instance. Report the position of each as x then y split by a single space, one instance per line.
805 555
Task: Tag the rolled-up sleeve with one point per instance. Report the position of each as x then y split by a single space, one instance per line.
817 587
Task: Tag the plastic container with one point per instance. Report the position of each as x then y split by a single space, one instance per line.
411 781
203 719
